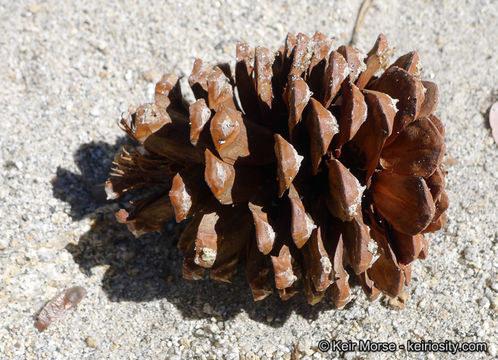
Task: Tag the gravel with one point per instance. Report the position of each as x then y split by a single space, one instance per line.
70 68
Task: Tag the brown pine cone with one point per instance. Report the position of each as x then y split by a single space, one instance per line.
301 162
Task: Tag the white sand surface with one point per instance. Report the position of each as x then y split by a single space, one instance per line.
67 71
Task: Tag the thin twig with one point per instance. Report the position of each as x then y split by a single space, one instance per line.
365 5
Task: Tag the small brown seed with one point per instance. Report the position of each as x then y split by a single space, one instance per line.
58 306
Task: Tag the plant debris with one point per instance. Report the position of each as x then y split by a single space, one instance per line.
56 307
493 121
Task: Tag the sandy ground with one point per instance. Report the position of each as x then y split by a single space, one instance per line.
68 69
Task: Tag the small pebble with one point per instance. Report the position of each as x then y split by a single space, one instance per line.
91 342
470 253
207 309
399 301
95 111
494 302
152 75
484 303
185 343
492 350
34 9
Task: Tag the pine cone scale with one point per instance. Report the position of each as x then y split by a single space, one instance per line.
335 73
431 99
404 201
376 59
353 113
369 141
408 90
357 237
386 273
322 126
416 151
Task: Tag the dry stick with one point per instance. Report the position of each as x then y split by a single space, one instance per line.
365 5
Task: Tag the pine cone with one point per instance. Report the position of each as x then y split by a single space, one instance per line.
302 162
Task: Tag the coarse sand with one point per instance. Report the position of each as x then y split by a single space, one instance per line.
69 68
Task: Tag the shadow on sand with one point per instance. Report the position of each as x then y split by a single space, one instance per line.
149 267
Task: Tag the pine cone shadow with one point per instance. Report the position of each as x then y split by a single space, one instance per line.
150 267
84 192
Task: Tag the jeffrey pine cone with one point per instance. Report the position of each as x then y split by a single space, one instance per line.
302 163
